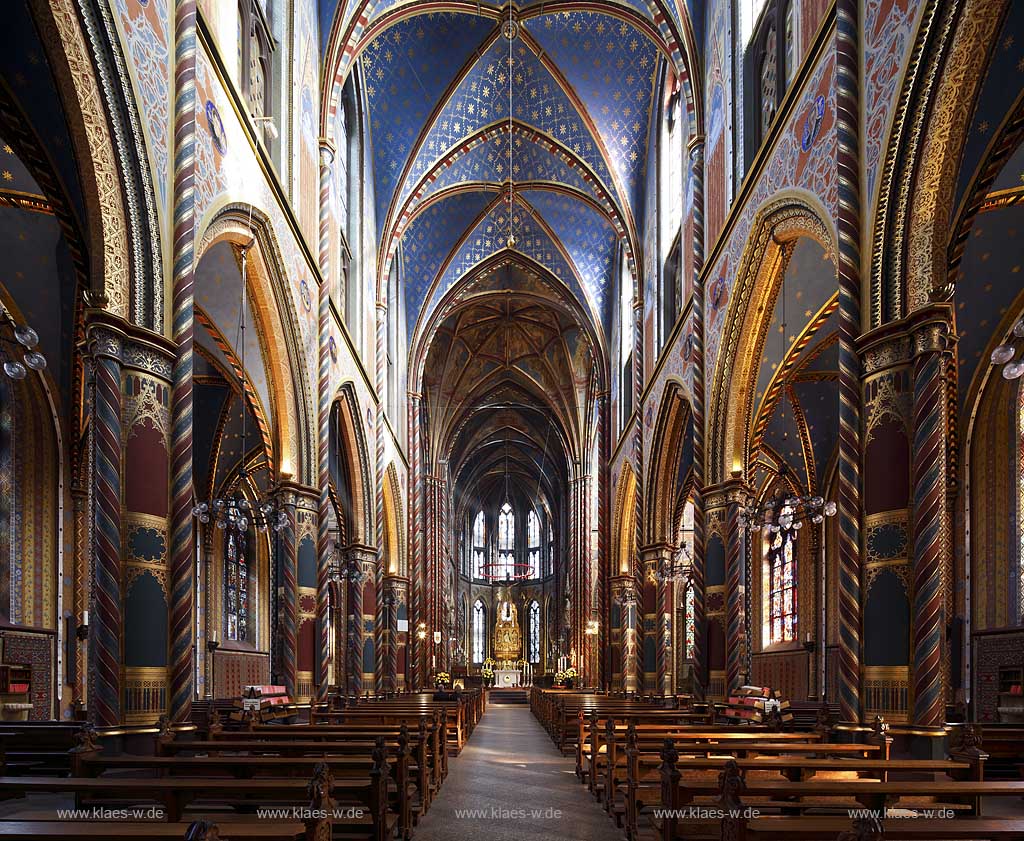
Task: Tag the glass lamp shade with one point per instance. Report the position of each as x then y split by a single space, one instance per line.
1013 370
830 508
1002 354
15 370
26 336
1018 329
35 360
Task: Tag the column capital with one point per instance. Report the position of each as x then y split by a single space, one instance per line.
327 151
695 146
733 491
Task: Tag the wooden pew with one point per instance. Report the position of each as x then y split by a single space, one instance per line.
88 761
593 733
174 794
919 829
429 734
124 830
727 794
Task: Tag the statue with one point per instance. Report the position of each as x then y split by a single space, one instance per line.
508 641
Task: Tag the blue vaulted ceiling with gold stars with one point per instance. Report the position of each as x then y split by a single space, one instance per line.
446 152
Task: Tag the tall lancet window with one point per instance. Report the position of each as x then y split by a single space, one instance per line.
533 632
479 545
236 585
506 542
689 618
779 588
479 632
533 543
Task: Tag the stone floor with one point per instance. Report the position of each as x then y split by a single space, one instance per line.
518 787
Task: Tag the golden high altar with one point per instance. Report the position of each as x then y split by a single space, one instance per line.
508 640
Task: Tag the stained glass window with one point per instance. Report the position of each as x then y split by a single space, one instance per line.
768 79
685 538
691 626
790 42
479 631
236 585
779 588
506 542
533 543
479 545
533 633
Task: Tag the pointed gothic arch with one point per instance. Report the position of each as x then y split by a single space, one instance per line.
774 233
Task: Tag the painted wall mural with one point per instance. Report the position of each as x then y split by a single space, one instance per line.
802 160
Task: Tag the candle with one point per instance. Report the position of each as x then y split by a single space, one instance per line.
85 617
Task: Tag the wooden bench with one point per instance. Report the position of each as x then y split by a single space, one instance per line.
174 794
115 831
342 738
916 829
731 789
405 779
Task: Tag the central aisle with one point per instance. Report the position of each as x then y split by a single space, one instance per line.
508 768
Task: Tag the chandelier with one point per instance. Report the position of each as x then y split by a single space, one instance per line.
234 509
25 340
678 568
1004 354
786 512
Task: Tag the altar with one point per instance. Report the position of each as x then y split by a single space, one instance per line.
507 677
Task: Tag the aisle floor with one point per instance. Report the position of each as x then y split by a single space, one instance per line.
510 784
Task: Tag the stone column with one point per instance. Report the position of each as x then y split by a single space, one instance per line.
656 559
848 109
700 654
417 583
323 478
933 343
625 589
106 613
183 257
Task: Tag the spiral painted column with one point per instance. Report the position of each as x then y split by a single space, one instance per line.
416 583
390 601
849 480
288 603
931 545
700 653
106 620
356 624
734 597
656 558
380 381
323 473
430 515
182 554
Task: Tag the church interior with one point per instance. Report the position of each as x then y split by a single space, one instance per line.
461 418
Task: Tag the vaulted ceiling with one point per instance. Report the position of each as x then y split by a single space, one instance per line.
508 385
436 78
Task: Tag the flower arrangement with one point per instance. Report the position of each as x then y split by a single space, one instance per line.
488 675
566 677
442 679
